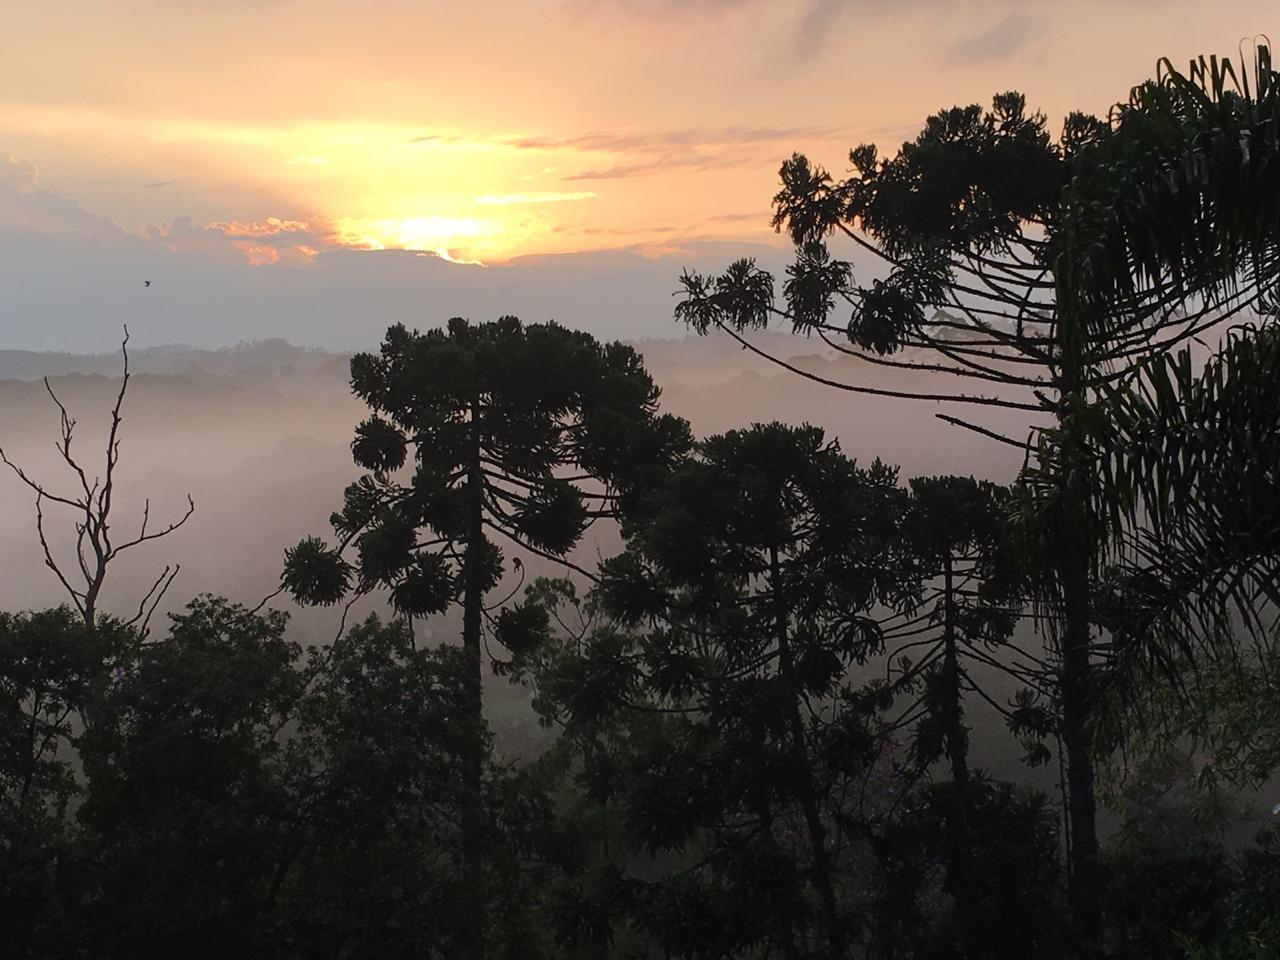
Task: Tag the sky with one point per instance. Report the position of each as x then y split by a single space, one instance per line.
310 169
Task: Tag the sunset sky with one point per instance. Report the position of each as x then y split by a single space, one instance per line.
272 132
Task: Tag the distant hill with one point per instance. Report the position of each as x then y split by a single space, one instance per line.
699 358
264 356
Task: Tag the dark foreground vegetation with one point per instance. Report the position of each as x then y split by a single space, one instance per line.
759 710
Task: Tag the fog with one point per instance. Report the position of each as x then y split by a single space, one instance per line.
258 436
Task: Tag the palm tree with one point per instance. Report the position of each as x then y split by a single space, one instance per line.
1184 198
1189 474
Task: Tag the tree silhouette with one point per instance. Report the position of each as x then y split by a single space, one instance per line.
954 527
1024 267
1188 456
91 505
372 868
529 433
752 580
186 804
1183 454
957 537
51 666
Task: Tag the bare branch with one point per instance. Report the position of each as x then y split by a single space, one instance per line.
956 421
78 598
542 553
267 599
37 488
94 550
143 537
876 391
145 629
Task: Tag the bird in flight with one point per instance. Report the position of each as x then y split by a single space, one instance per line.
146 283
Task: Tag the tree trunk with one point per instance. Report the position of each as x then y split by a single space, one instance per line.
786 930
957 736
473 939
29 773
817 833
1075 550
1075 692
957 754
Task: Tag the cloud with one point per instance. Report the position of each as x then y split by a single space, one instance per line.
757 216
815 26
18 175
71 278
998 42
819 19
669 163
662 9
614 141
256 242
814 20
639 153
442 138
26 207
270 227
540 196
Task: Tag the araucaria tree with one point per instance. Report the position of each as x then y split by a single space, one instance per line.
751 586
955 533
1033 271
498 430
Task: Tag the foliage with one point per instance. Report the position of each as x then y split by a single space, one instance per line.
955 535
52 671
1189 462
186 787
1214 712
499 414
1176 885
1014 908
220 795
528 432
1181 197
743 604
1025 264
376 788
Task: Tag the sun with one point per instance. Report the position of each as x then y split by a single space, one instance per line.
451 237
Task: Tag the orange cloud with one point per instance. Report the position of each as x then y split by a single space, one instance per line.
270 227
258 254
538 196
272 240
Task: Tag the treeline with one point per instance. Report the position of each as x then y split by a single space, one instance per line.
759 705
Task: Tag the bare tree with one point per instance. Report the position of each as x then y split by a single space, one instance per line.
91 506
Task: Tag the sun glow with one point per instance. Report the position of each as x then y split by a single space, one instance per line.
487 196
455 238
